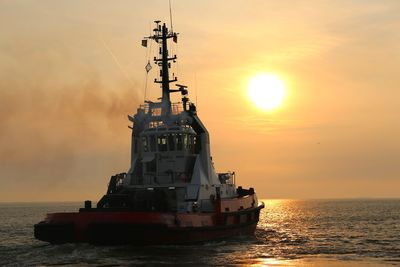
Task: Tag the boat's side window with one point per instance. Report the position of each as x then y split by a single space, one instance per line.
152 139
162 142
171 142
179 145
145 144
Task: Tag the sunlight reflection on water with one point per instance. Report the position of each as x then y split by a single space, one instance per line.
314 262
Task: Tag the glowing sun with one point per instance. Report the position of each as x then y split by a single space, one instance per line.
266 91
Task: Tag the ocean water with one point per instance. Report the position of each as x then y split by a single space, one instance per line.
290 233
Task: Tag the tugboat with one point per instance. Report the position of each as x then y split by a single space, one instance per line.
171 193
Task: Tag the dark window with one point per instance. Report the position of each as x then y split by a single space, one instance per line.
152 143
171 142
179 145
162 143
194 140
190 143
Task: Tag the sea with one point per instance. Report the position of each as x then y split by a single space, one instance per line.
356 232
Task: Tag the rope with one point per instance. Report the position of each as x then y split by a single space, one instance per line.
195 87
177 61
148 55
145 85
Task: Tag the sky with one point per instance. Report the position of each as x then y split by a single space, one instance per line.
71 71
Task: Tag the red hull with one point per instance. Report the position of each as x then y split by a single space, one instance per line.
145 227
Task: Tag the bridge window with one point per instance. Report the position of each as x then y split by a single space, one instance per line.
171 142
185 141
190 143
152 139
179 144
162 143
196 144
182 142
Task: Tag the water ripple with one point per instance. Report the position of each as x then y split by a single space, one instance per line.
288 230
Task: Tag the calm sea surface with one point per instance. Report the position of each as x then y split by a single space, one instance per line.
290 232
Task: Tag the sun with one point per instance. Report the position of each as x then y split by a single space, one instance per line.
266 91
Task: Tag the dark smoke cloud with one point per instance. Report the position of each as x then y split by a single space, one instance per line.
62 125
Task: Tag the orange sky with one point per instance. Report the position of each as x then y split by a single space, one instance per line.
70 72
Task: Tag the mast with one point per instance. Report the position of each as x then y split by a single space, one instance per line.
161 36
164 68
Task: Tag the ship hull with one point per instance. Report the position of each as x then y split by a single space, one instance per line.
145 228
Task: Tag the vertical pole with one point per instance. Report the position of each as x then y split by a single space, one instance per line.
166 102
170 16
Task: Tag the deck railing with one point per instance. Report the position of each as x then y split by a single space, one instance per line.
155 108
